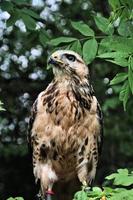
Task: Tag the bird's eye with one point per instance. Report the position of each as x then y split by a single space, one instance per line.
70 57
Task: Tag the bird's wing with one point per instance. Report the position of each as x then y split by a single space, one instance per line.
30 124
100 136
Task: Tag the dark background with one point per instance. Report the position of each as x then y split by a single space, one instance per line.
20 85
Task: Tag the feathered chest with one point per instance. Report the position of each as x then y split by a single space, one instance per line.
63 105
63 114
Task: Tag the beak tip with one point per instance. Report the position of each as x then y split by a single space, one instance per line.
49 61
54 61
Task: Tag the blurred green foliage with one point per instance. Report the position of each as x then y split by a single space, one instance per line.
100 31
1 106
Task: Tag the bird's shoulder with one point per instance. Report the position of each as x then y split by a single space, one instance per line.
32 117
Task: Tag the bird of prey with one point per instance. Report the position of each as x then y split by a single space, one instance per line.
65 127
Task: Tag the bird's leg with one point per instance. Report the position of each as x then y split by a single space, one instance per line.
103 198
84 183
85 186
49 195
83 178
49 192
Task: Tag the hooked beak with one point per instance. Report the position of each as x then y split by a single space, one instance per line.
54 61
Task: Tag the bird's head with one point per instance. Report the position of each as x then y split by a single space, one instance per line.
69 63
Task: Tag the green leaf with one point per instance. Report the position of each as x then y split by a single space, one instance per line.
116 43
68 47
96 192
76 46
59 40
123 171
104 24
122 177
6 6
130 74
43 38
28 21
19 2
13 18
81 195
120 77
114 3
125 94
110 177
90 50
127 3
16 198
125 28
119 61
31 13
97 189
108 191
118 54
131 63
121 194
83 28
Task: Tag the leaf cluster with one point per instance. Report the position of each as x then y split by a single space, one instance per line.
118 190
114 45
21 10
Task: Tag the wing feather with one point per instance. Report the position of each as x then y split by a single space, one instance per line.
100 137
30 124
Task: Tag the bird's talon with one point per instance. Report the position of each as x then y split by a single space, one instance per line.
84 183
103 198
87 189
